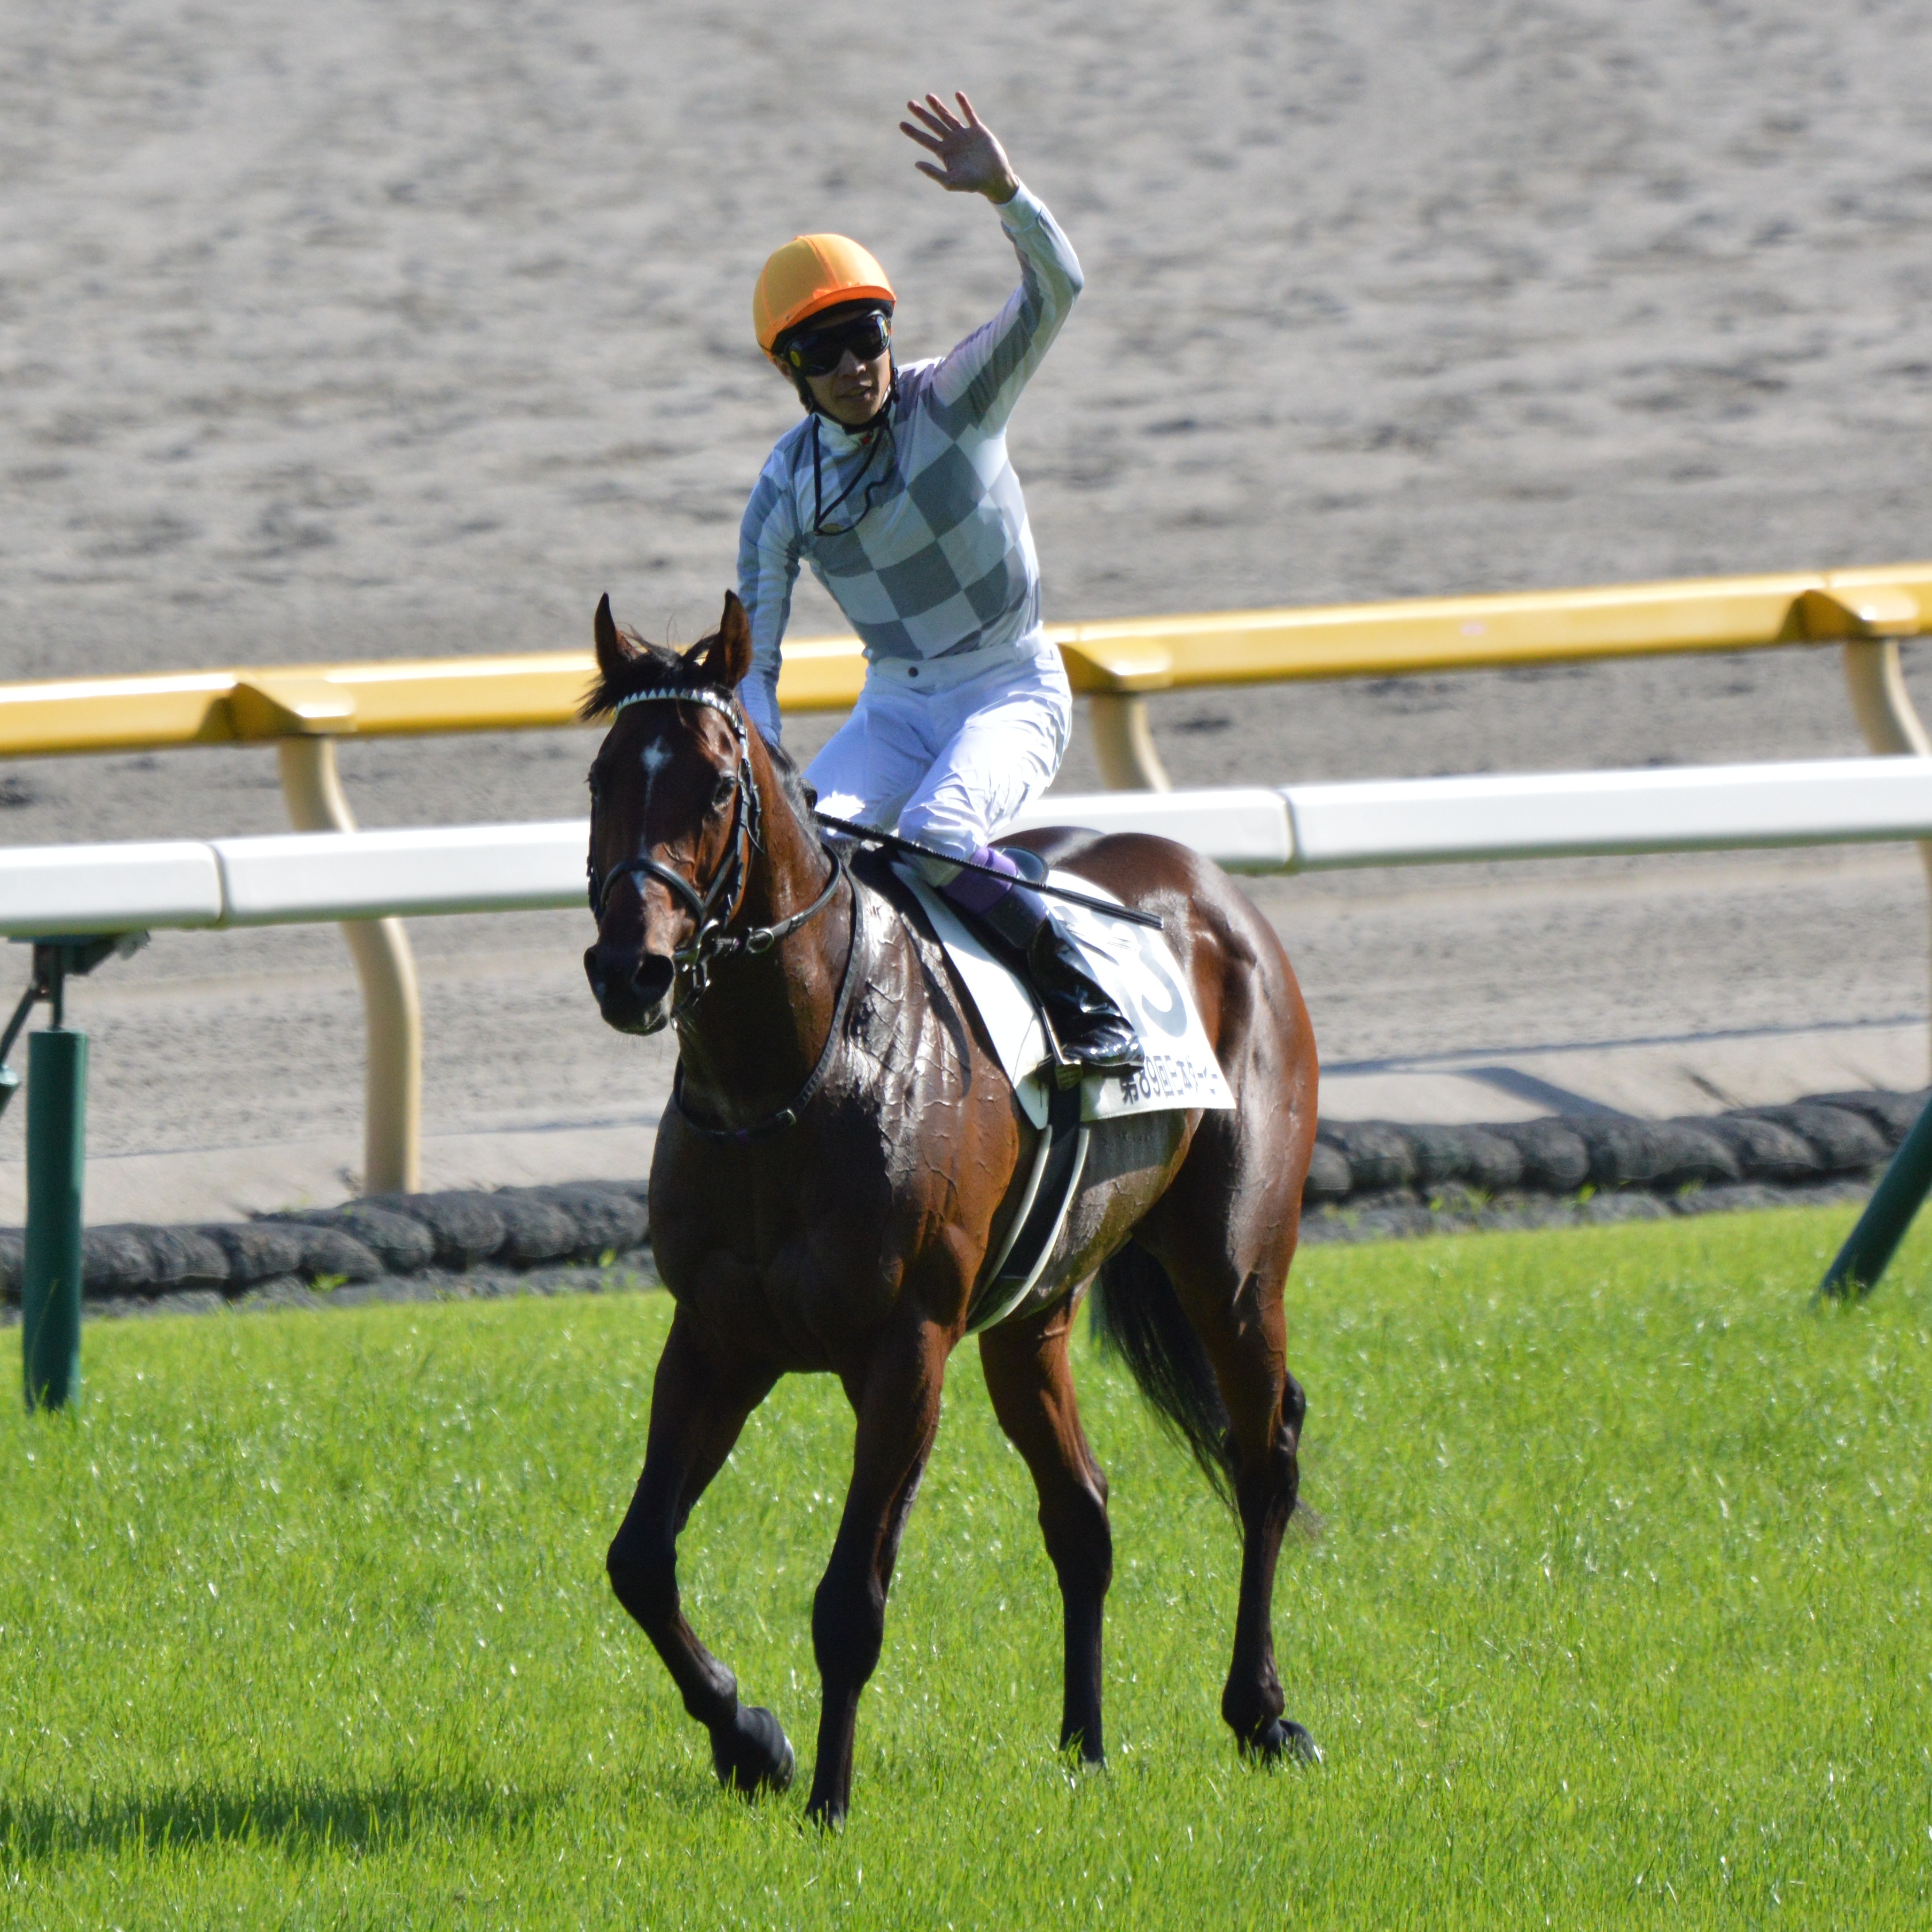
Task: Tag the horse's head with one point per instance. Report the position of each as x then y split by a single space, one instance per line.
674 807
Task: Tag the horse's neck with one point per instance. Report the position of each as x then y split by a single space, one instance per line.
750 1043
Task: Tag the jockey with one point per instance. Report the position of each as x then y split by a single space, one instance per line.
897 489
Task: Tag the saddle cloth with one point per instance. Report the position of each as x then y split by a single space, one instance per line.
1136 967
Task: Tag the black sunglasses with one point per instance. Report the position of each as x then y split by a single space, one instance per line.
866 336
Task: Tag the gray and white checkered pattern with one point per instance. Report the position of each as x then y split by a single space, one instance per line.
942 561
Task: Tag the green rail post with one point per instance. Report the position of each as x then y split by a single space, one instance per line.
56 1162
56 1158
1870 1245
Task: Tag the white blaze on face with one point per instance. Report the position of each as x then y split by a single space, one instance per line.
653 758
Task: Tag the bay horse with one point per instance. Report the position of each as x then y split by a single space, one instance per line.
843 1156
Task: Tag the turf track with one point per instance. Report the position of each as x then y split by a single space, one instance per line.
1619 1612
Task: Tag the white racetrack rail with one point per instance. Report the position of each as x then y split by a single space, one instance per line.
292 877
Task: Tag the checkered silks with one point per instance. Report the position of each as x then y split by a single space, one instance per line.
943 560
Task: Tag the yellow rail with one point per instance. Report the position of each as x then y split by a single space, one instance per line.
305 708
1114 658
1445 634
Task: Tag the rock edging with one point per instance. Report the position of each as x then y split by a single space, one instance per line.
1368 1179
1828 1137
375 1238
1373 1180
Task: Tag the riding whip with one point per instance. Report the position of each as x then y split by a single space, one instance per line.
871 835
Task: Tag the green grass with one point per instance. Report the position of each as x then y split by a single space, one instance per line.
1620 1613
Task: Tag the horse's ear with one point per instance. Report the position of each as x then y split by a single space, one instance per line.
613 653
729 657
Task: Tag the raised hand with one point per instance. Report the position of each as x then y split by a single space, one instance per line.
970 160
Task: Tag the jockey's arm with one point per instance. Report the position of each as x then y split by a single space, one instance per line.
769 546
983 377
980 381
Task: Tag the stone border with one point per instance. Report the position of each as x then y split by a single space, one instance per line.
1828 1137
1376 1180
1368 1180
383 1239
1456 1210
484 1284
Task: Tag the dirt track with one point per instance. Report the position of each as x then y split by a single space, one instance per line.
394 329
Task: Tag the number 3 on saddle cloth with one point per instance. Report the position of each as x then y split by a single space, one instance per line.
1133 963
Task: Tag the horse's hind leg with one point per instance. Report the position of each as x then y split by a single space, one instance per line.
1032 1388
1266 1435
697 1412
1225 1238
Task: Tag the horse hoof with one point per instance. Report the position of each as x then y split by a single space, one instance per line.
1282 1740
1074 1745
827 1814
752 1753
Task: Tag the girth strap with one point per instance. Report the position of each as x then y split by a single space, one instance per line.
1058 1164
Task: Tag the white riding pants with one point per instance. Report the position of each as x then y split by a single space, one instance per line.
949 751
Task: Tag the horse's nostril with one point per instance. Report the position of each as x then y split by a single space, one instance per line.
651 980
598 969
630 988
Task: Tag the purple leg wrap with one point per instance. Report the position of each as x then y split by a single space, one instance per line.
974 892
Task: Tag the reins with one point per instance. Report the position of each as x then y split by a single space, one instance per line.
786 1115
894 842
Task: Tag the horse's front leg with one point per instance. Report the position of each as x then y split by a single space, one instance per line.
897 1400
697 1411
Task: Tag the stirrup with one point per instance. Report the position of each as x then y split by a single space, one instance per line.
1070 1067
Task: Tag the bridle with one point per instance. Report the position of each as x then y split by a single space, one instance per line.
719 903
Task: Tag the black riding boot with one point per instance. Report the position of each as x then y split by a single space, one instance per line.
1089 1032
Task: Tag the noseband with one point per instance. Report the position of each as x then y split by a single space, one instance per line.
713 909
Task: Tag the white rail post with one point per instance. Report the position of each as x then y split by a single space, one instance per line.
1871 622
392 1012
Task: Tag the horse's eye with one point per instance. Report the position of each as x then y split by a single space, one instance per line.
721 793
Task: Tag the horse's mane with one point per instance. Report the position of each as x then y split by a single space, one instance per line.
649 667
800 795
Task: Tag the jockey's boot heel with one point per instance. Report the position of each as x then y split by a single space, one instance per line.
1090 1034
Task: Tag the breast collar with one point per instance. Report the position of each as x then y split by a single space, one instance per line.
720 902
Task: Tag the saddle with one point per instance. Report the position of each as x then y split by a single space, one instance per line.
1142 975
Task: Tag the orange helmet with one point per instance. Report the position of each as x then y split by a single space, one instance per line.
810 273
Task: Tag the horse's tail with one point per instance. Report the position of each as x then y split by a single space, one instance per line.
1137 1316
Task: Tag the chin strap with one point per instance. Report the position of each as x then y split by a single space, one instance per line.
880 423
